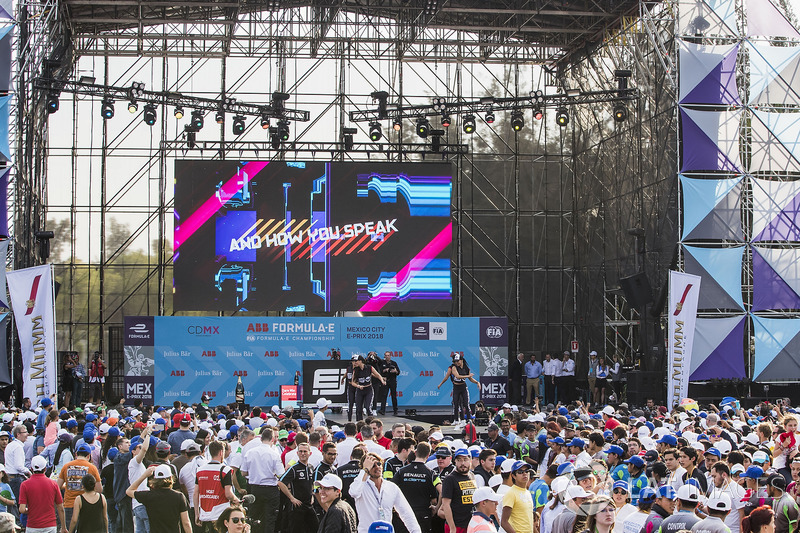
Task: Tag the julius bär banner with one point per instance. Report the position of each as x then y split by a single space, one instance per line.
31 292
181 358
684 290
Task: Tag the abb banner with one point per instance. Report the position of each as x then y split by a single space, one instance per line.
182 358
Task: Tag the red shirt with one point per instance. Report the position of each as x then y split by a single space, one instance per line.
39 493
611 423
386 443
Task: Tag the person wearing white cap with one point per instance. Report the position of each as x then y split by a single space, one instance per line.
40 497
591 375
719 506
485 501
339 516
319 416
724 486
684 517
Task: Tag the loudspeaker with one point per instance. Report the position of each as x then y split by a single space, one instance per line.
637 290
645 384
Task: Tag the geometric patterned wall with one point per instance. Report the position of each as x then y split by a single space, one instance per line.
739 146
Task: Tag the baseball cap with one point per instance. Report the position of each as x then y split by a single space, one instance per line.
283 434
291 436
647 495
737 469
83 448
46 402
519 465
635 461
777 481
621 484
689 493
576 491
162 472
380 527
507 465
495 481
185 419
462 452
331 480
136 441
443 451
577 442
608 410
557 440
185 444
582 473
323 402
670 440
485 493
162 447
715 452
760 457
437 435
616 450
666 491
39 463
457 357
650 456
753 472
720 502
565 468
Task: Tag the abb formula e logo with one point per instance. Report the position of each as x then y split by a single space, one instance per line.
327 382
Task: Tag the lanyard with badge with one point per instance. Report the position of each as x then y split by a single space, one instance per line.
379 498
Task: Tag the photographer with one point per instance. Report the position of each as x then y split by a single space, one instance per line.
97 377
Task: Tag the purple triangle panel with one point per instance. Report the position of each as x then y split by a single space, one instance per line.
719 85
727 359
4 204
770 291
699 151
785 226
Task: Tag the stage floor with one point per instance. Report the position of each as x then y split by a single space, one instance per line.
425 417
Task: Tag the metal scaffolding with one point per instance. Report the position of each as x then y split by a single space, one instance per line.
540 215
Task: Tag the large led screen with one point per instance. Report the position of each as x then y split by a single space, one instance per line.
312 236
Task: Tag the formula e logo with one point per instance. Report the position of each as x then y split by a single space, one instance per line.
494 332
419 331
139 328
328 381
203 330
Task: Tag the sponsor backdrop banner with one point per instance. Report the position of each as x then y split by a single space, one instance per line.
684 290
31 292
180 358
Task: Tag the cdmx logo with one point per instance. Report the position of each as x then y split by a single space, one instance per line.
203 330
328 381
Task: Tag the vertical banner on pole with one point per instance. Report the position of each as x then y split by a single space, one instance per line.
684 290
31 294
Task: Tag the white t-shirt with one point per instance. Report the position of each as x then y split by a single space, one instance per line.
635 522
622 514
136 469
735 493
549 516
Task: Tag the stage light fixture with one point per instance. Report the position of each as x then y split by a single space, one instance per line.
537 97
469 124
283 129
422 127
446 121
439 104
381 97
51 103
107 108
197 119
264 121
149 116
133 107
396 124
517 120
347 137
275 140
190 135
228 103
538 114
620 113
136 90
219 118
490 116
375 132
436 140
178 112
562 116
238 125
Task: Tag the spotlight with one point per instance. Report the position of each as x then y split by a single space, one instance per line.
197 119
562 116
538 114
136 90
446 121
620 113
439 105
149 114
191 136
396 124
489 116
238 125
517 120
228 103
275 140
107 109
219 118
264 120
375 132
436 140
469 124
283 130
422 127
133 107
52 103
537 97
347 137
178 112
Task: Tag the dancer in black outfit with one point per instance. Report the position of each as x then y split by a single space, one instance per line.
459 373
362 382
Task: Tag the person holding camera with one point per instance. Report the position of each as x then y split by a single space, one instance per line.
97 377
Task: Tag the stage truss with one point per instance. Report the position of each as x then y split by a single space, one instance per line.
541 215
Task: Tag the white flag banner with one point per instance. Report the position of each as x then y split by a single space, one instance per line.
31 294
684 290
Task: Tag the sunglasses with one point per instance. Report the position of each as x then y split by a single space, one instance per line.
599 472
237 519
620 491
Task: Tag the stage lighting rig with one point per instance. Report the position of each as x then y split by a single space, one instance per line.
264 120
278 103
469 124
537 98
381 97
422 127
283 130
107 109
190 134
439 105
347 137
274 138
133 107
136 91
178 112
238 125
375 132
51 103
562 116
150 115
538 114
436 140
517 120
490 116
197 119
219 118
397 124
228 103
620 112
622 76
446 121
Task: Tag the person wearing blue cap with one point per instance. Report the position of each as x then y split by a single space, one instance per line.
517 502
663 507
688 497
635 521
638 477
69 479
457 489
621 495
618 470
